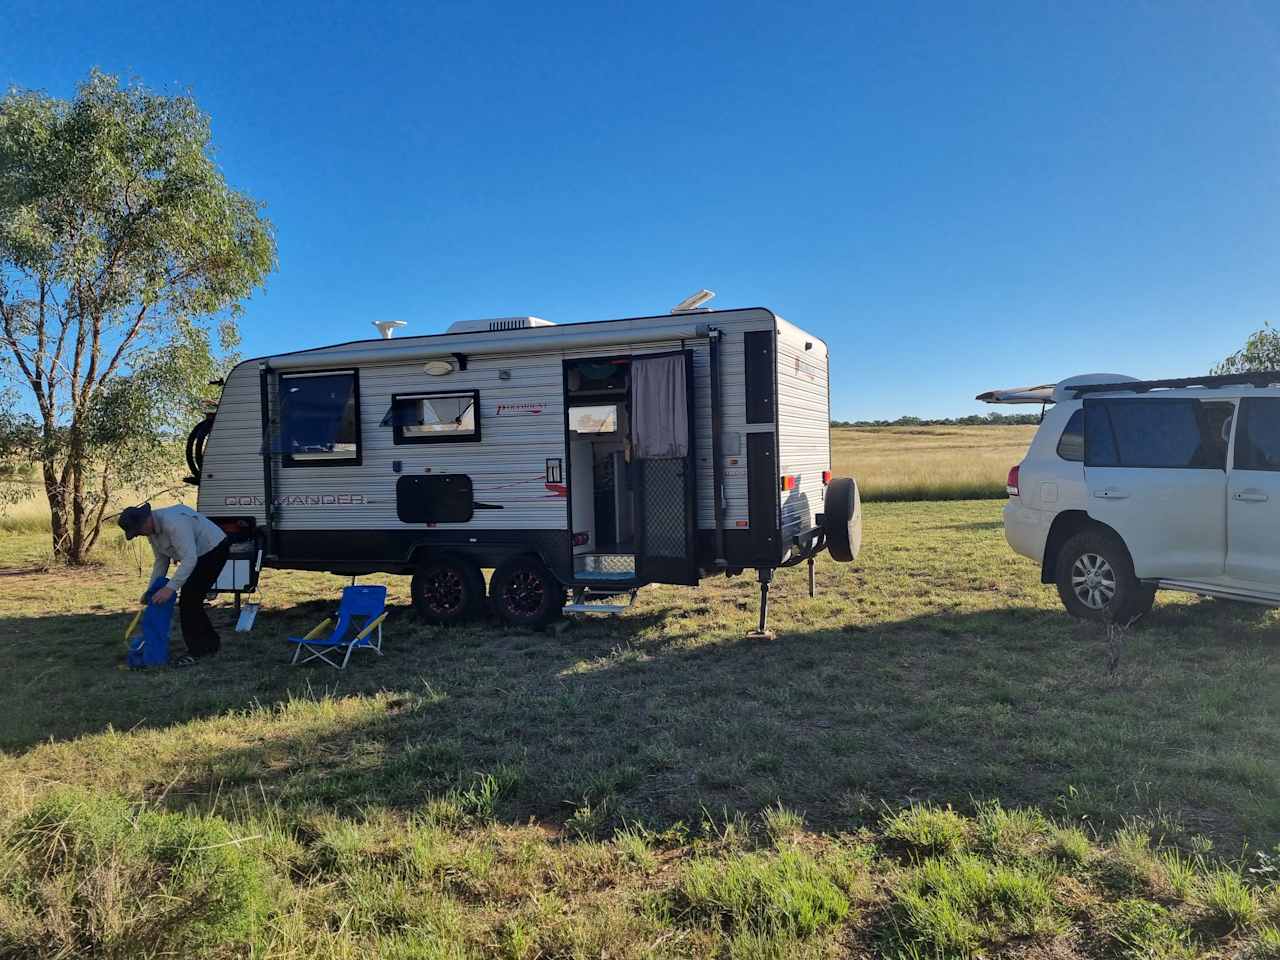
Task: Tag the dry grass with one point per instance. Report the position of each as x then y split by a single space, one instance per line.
929 463
23 507
889 463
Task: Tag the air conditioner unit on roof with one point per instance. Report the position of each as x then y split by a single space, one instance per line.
498 323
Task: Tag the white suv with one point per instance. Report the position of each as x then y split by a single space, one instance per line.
1132 486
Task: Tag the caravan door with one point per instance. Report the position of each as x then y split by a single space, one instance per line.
662 435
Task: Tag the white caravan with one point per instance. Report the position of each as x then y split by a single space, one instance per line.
594 457
1136 485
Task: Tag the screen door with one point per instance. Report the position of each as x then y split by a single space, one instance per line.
662 449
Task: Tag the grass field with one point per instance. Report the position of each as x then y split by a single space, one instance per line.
930 760
929 463
890 463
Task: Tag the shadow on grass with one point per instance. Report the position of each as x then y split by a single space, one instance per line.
657 718
979 525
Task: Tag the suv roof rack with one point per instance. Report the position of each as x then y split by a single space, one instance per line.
1263 378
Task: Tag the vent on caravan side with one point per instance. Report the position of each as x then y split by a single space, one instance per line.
498 323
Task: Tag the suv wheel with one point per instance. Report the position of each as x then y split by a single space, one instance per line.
1096 580
524 593
448 590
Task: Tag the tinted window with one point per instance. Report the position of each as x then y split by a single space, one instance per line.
1071 444
1258 436
1149 433
1099 441
320 418
436 417
1216 416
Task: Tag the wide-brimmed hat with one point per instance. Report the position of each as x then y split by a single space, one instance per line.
132 518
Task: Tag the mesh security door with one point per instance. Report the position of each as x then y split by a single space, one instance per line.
662 446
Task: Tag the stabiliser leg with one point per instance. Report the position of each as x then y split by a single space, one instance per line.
762 632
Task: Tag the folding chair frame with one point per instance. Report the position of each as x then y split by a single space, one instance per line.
321 650
133 625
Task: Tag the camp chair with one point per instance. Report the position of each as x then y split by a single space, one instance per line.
368 604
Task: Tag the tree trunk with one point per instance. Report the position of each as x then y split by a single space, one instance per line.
78 553
57 509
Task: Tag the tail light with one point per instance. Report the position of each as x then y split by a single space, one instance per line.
826 477
789 482
581 539
1011 485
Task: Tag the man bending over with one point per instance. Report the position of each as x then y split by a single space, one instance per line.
200 549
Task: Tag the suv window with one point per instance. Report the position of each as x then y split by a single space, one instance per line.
1099 440
1217 416
1258 436
1150 433
1071 443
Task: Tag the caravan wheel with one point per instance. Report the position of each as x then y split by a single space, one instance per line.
524 593
448 590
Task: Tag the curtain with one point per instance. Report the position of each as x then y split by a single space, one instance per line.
660 408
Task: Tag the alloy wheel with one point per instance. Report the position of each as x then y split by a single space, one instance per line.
444 592
1093 580
524 593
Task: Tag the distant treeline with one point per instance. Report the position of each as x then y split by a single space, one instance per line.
973 420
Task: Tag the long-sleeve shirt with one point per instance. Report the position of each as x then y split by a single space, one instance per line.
182 535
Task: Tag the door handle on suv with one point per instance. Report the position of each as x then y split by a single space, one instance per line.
1111 493
1251 495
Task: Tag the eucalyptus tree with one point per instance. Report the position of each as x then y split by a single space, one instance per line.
124 260
1261 352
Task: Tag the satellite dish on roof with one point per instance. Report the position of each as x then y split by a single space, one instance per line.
388 327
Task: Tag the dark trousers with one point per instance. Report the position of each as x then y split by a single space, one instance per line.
197 632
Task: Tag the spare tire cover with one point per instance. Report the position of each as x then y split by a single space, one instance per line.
842 519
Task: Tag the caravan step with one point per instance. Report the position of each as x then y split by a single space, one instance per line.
605 575
605 608
581 596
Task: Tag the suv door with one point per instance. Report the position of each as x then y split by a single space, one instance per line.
1253 503
1156 473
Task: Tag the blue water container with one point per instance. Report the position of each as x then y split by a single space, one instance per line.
150 646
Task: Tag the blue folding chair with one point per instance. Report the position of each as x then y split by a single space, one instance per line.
362 607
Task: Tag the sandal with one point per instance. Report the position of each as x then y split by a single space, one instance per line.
186 660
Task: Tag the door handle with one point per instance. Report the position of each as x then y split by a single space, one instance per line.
1252 495
1111 493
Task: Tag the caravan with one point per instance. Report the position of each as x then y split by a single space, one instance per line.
592 457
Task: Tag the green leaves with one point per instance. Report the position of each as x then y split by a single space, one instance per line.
1260 352
122 247
117 190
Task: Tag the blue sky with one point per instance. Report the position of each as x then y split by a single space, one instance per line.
955 196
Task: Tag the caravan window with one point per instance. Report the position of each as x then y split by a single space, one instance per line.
320 418
601 419
436 417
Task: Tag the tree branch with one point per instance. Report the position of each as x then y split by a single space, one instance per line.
95 354
7 318
129 337
95 528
